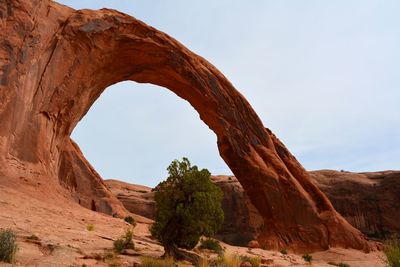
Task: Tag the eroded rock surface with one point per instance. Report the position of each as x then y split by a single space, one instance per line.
137 199
369 201
56 61
242 222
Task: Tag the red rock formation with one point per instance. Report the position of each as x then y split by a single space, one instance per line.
137 199
369 201
56 61
242 221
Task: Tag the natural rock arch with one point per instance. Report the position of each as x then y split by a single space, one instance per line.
57 61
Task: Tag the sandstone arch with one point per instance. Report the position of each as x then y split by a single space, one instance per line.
55 62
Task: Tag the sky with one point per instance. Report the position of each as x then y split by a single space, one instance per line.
324 76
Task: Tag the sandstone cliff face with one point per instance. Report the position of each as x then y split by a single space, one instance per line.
137 199
56 61
369 201
242 221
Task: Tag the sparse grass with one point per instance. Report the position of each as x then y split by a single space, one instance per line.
392 252
111 258
90 227
211 244
203 263
307 258
284 251
229 260
109 255
124 242
254 261
8 246
341 264
153 262
130 220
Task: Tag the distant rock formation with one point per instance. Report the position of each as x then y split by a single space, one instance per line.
242 223
56 61
370 201
137 199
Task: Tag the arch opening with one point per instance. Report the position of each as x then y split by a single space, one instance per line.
133 131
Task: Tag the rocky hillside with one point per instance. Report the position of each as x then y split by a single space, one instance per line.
54 233
242 221
369 201
366 200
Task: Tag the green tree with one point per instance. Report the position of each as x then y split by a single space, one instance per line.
188 205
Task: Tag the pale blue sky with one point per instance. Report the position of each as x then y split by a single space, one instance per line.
323 75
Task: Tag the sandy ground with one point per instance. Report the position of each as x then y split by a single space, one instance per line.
64 240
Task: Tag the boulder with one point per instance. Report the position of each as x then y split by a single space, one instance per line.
253 244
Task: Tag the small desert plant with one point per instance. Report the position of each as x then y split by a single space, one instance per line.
8 246
130 220
124 242
203 263
254 261
229 260
284 251
392 252
90 227
307 258
153 262
211 244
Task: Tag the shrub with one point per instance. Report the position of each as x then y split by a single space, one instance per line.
203 263
188 205
124 242
284 251
152 262
307 258
392 252
8 246
210 244
254 261
229 260
130 220
90 227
